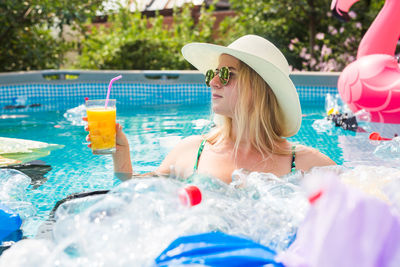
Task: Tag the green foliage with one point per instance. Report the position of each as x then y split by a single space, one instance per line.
32 33
25 34
138 43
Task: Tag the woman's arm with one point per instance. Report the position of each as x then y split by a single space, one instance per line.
308 157
122 156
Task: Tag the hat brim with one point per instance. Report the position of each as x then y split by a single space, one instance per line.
205 56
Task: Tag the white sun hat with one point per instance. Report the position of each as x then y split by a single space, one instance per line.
263 57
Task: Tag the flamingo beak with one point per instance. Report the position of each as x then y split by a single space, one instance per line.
339 14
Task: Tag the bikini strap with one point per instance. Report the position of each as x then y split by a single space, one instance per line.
199 154
293 167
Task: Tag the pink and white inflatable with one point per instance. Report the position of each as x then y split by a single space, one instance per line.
372 82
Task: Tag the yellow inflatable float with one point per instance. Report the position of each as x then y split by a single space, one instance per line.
15 151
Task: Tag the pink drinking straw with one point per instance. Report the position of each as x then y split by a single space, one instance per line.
109 88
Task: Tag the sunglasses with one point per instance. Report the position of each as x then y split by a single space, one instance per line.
223 73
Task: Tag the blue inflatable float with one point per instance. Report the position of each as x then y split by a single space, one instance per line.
9 222
216 249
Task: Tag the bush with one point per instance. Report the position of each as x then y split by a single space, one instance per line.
139 43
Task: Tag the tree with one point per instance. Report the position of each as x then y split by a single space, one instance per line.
27 38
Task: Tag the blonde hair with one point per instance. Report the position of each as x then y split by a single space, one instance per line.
257 111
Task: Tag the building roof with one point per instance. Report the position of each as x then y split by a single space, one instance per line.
153 5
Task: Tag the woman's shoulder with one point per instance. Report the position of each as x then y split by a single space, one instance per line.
193 140
308 157
187 144
183 154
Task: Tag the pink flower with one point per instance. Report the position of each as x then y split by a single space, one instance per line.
326 50
320 36
313 61
332 30
352 14
303 52
349 40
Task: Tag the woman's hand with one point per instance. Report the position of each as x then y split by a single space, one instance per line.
87 129
121 140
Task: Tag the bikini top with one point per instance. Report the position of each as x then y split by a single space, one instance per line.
201 147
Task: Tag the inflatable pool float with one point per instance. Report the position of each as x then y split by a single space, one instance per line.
372 82
19 151
9 222
6 161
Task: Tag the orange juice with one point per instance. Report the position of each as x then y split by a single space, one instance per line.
101 122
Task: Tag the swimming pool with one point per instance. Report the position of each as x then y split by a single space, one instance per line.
152 132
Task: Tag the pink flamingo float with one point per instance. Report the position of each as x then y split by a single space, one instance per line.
372 82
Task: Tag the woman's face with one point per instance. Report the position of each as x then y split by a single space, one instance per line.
224 97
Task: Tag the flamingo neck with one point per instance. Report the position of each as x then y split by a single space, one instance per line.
383 34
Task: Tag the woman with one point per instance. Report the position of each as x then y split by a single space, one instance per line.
257 106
